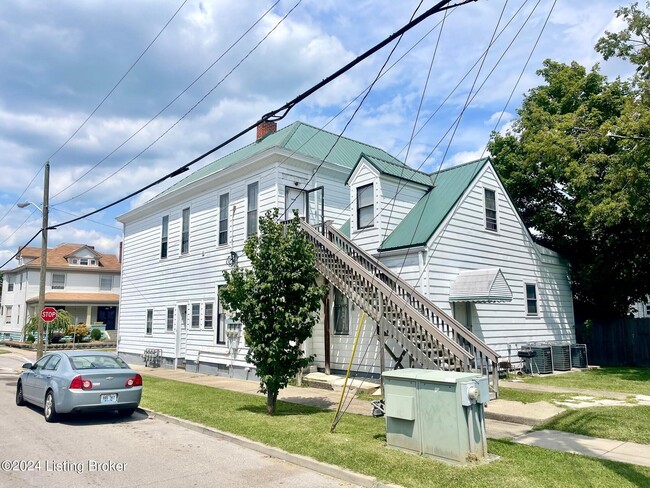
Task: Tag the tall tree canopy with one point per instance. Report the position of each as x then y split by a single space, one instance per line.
277 300
576 163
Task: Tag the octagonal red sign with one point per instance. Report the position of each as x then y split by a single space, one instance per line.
48 314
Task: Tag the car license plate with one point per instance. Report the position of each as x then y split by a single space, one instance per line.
112 398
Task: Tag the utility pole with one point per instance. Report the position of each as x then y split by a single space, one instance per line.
41 284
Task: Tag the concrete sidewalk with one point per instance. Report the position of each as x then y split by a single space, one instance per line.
505 419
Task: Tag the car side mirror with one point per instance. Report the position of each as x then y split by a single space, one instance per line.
27 366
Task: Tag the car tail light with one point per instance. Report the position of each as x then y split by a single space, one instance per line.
78 383
135 381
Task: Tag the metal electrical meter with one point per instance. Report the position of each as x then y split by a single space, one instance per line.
437 413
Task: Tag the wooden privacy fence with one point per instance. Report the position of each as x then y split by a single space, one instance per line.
617 342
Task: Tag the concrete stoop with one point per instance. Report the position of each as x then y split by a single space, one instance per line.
335 383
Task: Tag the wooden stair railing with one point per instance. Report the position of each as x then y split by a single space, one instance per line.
424 331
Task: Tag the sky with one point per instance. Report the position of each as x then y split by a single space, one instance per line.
216 66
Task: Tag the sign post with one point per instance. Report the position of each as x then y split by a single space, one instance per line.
48 314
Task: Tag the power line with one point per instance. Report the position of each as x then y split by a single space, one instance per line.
160 112
282 112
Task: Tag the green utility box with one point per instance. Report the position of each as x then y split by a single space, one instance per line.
437 413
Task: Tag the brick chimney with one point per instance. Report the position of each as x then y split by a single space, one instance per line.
265 128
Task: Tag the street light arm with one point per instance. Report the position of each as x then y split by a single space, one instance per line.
27 204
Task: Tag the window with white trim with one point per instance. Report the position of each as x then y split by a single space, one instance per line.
8 314
224 203
208 310
149 326
365 206
10 284
341 313
490 209
185 231
58 281
251 215
170 319
196 315
106 283
164 238
531 299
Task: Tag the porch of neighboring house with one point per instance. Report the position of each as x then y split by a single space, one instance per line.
91 309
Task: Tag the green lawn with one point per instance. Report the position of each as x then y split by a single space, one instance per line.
619 423
359 443
526 396
626 380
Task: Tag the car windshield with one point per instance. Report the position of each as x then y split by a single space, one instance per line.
97 362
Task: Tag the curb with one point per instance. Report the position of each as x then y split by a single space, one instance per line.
303 461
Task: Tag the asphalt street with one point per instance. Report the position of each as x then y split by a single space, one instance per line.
105 450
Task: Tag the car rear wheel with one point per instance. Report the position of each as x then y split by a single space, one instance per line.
20 400
49 411
127 412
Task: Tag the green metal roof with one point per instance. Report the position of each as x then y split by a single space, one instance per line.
300 138
345 228
424 218
398 170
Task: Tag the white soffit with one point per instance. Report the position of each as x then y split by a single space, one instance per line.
480 285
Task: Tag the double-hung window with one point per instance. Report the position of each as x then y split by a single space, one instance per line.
251 215
164 236
149 326
531 299
196 315
185 231
490 210
341 313
170 320
58 281
106 283
365 206
8 314
10 285
224 202
207 315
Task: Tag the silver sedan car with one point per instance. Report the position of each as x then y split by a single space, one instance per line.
79 381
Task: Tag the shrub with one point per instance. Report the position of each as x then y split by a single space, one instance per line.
78 332
95 334
55 338
30 339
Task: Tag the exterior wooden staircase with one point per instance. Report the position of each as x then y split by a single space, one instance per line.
416 328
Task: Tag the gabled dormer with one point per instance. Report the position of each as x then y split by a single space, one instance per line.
84 256
382 193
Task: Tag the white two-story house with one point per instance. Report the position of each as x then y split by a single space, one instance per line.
79 279
440 262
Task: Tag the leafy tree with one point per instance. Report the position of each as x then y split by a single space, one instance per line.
59 325
277 300
633 42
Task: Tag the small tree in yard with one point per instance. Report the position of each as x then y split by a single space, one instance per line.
61 323
277 300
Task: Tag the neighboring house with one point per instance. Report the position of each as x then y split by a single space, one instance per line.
641 310
461 252
79 279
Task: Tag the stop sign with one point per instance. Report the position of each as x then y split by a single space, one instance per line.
48 314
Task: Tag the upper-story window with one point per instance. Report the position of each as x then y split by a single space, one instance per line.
164 236
224 202
83 261
20 282
185 232
365 206
251 216
531 299
10 284
58 281
490 210
106 283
